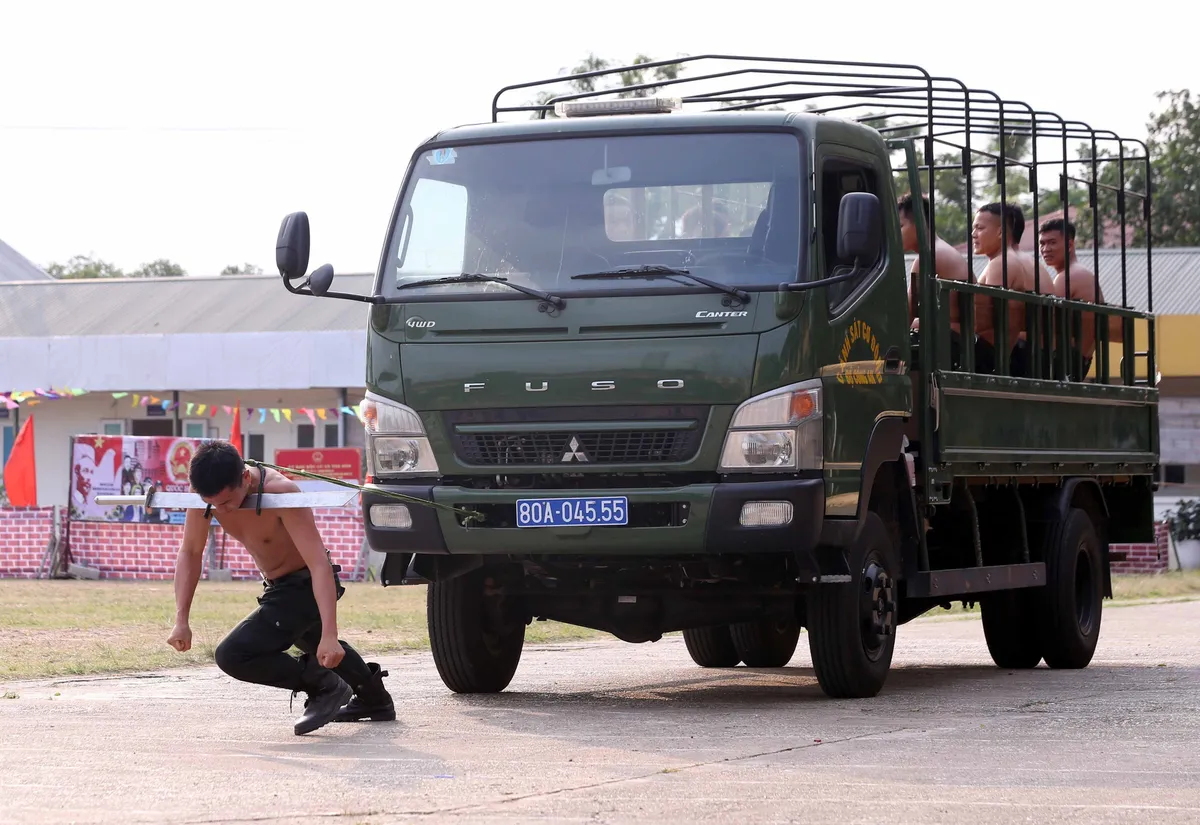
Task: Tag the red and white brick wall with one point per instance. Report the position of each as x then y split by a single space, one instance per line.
148 551
1144 558
24 535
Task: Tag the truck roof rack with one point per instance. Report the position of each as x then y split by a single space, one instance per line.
900 101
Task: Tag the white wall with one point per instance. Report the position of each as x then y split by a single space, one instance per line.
55 421
291 360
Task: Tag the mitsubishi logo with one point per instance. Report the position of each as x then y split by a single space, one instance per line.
574 452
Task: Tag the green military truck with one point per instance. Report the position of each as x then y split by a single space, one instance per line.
643 361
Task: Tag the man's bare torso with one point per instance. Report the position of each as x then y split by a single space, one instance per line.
948 263
264 535
1083 288
1020 277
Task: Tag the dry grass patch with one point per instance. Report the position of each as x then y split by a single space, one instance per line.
66 627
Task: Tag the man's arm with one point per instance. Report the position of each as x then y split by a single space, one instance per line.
302 527
187 573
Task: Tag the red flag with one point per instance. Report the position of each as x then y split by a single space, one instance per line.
20 472
235 434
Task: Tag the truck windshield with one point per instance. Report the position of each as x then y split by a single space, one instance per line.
725 206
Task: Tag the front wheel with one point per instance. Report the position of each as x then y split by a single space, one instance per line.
476 641
852 627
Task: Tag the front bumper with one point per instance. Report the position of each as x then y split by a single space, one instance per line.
692 519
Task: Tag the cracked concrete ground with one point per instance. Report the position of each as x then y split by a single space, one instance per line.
615 732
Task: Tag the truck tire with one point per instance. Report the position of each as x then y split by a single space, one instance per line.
1073 597
1010 627
473 649
711 646
767 642
852 626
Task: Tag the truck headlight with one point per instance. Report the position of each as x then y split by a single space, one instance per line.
396 439
779 430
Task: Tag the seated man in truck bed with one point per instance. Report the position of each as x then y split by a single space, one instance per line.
1060 257
947 263
988 240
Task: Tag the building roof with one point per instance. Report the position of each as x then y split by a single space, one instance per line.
1176 277
16 267
259 303
166 306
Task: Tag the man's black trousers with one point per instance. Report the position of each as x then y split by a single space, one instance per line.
255 650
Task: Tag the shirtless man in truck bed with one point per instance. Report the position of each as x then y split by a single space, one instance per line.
947 263
988 240
299 601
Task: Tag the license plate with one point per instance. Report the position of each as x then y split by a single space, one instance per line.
572 512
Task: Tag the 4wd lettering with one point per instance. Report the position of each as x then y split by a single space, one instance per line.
417 322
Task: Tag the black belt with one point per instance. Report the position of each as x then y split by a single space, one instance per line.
299 575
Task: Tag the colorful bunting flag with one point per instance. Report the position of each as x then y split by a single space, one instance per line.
13 399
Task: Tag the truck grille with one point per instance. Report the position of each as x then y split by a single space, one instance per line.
625 447
527 444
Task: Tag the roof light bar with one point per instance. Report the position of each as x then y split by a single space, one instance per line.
622 106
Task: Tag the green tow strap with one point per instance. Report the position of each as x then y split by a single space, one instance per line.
473 517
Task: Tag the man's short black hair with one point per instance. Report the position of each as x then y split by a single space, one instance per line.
1010 212
216 466
905 205
1056 225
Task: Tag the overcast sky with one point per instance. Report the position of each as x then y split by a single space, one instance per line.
134 131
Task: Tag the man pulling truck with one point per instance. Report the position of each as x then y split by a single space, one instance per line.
298 605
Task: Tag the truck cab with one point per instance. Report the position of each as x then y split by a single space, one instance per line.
646 370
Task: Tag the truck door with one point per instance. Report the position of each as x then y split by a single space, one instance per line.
865 370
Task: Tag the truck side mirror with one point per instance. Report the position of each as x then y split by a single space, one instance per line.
321 280
291 247
860 228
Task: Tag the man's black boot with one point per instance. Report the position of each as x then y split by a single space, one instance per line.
372 701
327 693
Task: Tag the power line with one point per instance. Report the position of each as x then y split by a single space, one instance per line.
88 128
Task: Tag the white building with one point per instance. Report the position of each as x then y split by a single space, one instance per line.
149 352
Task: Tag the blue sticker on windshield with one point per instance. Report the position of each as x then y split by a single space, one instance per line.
442 157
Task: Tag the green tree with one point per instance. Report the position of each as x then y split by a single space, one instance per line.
1174 143
161 268
950 186
1017 149
84 266
245 269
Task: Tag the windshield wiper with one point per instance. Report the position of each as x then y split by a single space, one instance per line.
652 271
477 278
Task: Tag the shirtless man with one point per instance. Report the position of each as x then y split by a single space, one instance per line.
1059 257
947 263
299 601
990 221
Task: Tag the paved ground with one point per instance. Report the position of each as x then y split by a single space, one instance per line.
617 732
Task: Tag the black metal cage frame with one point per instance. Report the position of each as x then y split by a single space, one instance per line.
937 112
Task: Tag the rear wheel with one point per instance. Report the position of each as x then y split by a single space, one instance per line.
476 638
711 646
1073 597
1010 627
852 626
768 642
